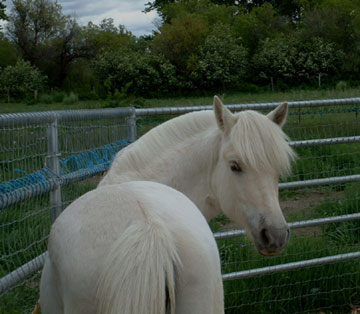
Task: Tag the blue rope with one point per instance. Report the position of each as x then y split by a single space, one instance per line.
86 160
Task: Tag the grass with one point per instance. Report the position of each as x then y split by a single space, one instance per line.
229 98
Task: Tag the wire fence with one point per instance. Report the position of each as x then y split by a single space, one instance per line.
50 159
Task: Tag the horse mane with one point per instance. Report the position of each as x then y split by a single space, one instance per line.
160 138
261 143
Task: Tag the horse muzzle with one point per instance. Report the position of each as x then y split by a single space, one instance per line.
270 240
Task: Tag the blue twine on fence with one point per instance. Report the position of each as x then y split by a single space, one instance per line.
92 158
86 160
40 176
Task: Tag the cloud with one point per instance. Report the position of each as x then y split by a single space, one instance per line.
125 12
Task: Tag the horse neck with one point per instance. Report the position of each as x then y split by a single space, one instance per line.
192 167
186 166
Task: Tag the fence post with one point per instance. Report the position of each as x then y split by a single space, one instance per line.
131 123
54 166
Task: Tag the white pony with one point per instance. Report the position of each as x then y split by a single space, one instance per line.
225 162
132 248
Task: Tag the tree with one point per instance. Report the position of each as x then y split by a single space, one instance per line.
261 23
140 73
46 38
274 60
106 36
64 49
294 61
337 22
181 39
3 15
21 80
222 60
316 58
8 53
32 23
292 9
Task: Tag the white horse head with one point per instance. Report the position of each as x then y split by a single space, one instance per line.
254 153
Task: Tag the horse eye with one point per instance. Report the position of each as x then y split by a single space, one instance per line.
234 166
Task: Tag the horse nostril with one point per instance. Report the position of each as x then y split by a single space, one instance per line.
264 235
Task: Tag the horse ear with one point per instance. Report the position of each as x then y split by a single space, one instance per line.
279 114
224 118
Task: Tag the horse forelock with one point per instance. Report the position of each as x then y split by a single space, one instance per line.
260 143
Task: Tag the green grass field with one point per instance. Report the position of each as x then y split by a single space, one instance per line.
229 98
326 289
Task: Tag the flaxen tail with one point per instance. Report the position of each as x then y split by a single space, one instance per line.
37 307
139 272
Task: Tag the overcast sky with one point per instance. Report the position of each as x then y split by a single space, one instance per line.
125 12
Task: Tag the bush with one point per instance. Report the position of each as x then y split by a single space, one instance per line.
21 80
341 85
59 97
46 99
71 99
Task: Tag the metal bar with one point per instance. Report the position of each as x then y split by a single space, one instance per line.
325 141
53 164
18 275
315 182
13 119
25 193
252 106
290 266
131 123
323 221
293 225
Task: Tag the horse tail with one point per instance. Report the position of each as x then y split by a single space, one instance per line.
37 307
139 272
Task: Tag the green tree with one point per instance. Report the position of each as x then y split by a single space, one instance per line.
222 60
106 36
47 38
62 51
261 23
21 80
274 60
316 58
140 73
294 61
292 9
3 15
337 22
181 39
8 53
32 23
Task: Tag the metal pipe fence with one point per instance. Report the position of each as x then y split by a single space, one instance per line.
48 159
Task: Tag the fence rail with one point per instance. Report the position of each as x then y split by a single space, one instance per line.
290 266
57 128
250 106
